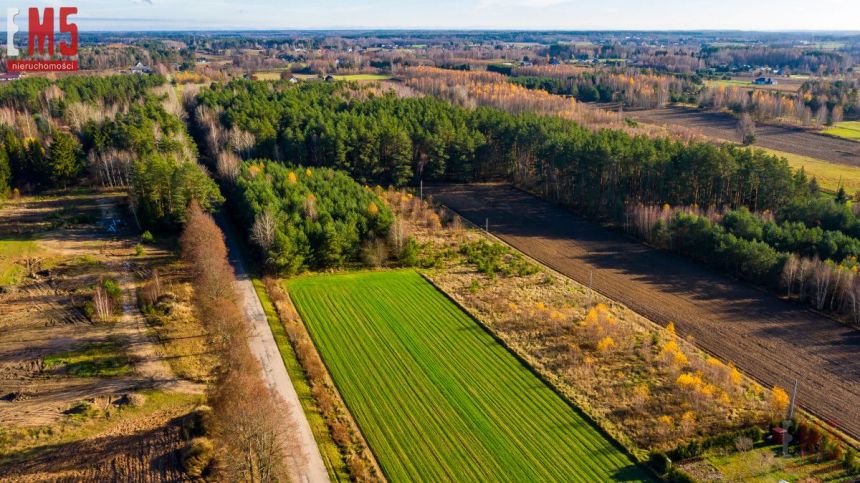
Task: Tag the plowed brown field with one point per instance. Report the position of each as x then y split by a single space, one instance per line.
785 139
772 340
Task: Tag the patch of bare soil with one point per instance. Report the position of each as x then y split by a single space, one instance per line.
786 139
774 341
86 241
139 449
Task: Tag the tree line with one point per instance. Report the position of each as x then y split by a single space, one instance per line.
634 88
603 173
28 94
248 438
391 140
807 262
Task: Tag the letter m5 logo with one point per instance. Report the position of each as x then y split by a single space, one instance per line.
40 32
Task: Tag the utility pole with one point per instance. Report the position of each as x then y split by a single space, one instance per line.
487 225
787 423
791 404
421 189
590 286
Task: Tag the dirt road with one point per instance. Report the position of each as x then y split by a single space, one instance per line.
785 139
770 339
308 466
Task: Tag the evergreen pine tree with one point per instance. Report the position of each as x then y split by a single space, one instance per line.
65 162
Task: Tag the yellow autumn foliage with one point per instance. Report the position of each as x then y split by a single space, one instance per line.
779 399
606 344
372 209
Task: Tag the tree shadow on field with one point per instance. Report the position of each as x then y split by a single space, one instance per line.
630 473
149 455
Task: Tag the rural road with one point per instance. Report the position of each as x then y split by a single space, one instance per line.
308 466
768 338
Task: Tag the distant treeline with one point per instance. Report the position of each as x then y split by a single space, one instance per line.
389 140
639 88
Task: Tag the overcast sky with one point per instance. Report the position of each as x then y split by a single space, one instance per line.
484 14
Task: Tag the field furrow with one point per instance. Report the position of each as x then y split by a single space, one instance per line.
437 398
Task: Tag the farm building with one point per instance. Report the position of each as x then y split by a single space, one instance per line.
765 81
139 68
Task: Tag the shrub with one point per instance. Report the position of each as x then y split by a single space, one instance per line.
851 461
409 254
677 475
198 422
374 253
136 399
659 462
147 238
197 456
112 288
742 443
494 258
697 447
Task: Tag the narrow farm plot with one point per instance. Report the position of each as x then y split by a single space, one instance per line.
436 396
363 77
846 130
829 176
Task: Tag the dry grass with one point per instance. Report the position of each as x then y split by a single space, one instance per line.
639 381
184 342
72 408
109 439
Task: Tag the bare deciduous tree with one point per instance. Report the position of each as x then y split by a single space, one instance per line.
375 252
250 424
263 230
102 305
790 272
241 141
746 129
822 278
227 165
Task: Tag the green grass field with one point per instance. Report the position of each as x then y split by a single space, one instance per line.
98 359
766 464
10 252
363 77
830 176
268 75
846 130
728 82
438 398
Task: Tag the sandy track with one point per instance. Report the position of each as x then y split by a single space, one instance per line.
770 339
786 139
307 466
